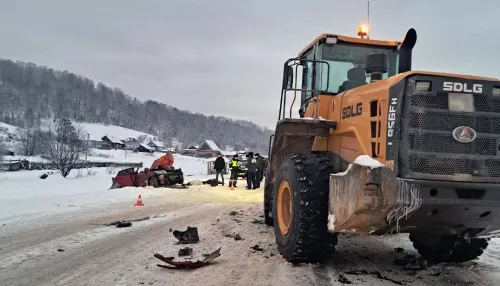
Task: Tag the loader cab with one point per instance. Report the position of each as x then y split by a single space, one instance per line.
346 58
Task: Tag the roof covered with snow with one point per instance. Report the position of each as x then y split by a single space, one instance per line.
114 139
208 144
156 144
145 146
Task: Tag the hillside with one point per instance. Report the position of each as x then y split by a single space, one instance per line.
31 93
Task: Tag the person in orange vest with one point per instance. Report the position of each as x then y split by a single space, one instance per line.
235 169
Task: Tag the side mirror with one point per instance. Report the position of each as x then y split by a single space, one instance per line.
288 79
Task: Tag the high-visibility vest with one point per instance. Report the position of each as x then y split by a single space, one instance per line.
235 163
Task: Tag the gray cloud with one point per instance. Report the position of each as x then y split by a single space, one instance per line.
225 57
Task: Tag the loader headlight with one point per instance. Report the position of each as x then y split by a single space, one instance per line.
331 40
496 91
423 85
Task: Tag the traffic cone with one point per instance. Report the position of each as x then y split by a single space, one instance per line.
139 202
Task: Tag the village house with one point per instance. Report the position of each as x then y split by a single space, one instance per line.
191 150
156 145
208 149
113 142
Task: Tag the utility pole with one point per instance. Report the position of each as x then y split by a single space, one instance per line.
87 149
369 27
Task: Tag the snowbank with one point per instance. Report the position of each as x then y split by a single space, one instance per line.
24 195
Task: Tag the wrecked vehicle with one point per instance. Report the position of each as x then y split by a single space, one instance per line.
383 149
161 174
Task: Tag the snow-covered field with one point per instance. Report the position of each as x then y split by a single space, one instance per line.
24 195
96 131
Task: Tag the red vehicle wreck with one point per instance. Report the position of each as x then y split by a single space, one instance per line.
161 174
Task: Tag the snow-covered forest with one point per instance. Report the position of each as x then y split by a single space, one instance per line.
31 93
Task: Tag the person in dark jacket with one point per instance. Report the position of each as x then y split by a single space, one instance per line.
235 170
260 169
219 166
252 172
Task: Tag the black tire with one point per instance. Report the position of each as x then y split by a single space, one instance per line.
154 181
448 248
307 239
268 204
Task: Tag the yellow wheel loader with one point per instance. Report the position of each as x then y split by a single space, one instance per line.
378 148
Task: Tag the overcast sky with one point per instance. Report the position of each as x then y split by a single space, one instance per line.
224 57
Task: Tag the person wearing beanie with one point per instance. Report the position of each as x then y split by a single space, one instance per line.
260 169
252 172
219 166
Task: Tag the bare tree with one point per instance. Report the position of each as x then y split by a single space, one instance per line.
66 146
27 142
33 141
2 149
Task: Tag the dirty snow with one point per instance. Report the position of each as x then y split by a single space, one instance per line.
368 161
100 255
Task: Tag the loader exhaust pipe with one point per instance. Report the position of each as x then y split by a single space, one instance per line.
405 50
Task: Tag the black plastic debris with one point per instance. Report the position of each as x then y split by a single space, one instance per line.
186 264
257 248
186 251
61 250
344 280
235 236
258 221
188 236
123 224
44 176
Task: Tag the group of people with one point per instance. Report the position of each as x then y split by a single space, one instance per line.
254 174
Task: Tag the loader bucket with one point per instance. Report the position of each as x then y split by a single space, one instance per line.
361 199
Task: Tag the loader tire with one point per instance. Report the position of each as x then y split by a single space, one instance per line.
448 248
154 181
300 208
268 204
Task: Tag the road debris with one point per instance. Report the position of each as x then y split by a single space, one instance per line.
159 215
188 236
344 280
374 272
187 264
124 224
258 221
44 176
235 236
186 251
61 250
257 248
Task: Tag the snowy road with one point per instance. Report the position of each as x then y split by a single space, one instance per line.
104 255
